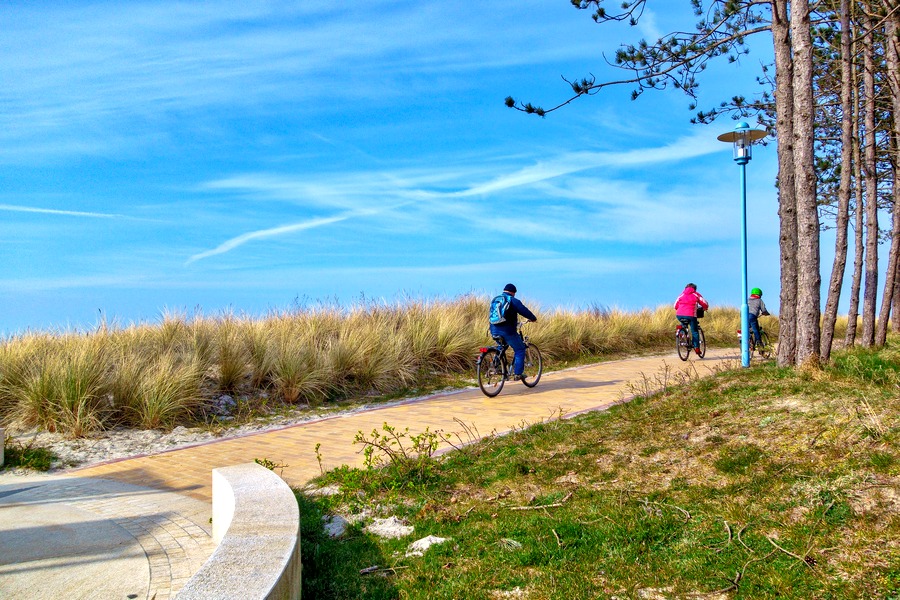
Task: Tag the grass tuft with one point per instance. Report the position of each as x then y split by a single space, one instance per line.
27 456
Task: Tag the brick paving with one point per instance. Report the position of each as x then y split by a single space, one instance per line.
159 537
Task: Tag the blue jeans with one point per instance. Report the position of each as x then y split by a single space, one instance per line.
516 343
754 329
693 323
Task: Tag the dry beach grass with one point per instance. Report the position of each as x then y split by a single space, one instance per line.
118 391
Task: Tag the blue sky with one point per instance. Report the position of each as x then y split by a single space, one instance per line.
247 156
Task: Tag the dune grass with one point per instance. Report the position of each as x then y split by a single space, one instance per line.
162 375
753 483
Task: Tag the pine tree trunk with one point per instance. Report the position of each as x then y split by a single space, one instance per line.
843 214
892 57
856 283
870 291
787 201
809 278
890 276
895 309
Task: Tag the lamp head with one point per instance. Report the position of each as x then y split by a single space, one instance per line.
742 137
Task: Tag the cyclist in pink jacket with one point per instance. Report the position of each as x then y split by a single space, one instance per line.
686 311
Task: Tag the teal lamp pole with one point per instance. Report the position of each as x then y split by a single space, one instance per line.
743 137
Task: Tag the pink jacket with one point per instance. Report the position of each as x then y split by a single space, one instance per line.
686 305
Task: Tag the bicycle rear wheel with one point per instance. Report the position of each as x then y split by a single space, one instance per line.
682 344
491 366
702 342
765 349
534 366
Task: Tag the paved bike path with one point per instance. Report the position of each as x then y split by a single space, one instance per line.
572 391
138 527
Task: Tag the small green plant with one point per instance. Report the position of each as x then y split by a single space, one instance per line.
319 458
766 421
271 464
27 456
405 458
882 461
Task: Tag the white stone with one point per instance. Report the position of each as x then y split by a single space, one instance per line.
328 490
335 526
390 528
419 547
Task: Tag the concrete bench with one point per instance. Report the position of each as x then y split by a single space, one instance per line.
256 524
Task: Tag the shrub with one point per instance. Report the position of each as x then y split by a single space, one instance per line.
64 387
168 389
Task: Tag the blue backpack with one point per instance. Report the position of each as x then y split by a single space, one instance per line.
498 309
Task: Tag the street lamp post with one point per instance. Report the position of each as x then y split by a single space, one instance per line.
743 137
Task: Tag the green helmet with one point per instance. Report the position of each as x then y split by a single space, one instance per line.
756 292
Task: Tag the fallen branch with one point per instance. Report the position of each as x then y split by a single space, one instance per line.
718 548
558 542
802 559
376 569
597 520
733 583
687 515
554 505
733 587
740 531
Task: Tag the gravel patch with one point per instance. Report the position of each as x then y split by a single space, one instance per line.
117 444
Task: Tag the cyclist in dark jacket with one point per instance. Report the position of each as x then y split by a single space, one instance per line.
507 329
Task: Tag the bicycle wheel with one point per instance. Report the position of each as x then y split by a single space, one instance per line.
765 349
491 368
683 344
702 342
534 366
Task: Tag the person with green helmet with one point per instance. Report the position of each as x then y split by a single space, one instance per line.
757 308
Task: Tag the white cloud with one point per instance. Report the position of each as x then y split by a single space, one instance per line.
648 27
66 213
539 197
240 240
574 162
47 284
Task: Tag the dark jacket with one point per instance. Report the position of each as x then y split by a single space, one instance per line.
515 309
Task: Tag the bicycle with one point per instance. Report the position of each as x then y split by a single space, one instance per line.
764 349
494 368
684 342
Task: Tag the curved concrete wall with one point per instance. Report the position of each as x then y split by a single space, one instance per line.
256 522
